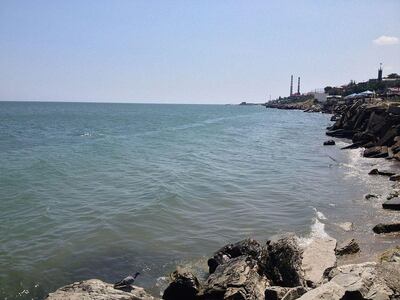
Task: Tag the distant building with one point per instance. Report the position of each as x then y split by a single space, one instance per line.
320 97
380 73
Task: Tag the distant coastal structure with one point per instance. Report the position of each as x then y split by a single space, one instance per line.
291 87
380 73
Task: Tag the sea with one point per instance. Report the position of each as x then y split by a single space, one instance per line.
97 190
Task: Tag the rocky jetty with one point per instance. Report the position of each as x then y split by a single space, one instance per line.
279 269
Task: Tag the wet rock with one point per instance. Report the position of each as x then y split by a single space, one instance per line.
393 204
395 177
282 263
184 286
386 228
95 289
327 291
347 247
376 152
370 196
329 143
247 247
381 172
346 226
318 257
236 279
391 255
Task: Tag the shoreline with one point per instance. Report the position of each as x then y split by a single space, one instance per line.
184 282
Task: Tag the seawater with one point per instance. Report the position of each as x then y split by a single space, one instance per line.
103 190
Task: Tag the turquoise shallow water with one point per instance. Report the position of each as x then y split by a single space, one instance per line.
103 190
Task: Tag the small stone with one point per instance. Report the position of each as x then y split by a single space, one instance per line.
347 247
329 143
395 177
346 226
370 196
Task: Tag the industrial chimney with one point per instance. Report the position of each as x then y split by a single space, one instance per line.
298 86
291 85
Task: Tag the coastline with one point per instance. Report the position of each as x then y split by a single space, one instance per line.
182 279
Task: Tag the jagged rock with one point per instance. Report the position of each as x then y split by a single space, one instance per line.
282 263
329 143
236 279
275 292
393 203
318 256
346 226
284 293
327 291
381 172
184 286
247 247
386 228
395 177
347 247
391 255
378 151
95 289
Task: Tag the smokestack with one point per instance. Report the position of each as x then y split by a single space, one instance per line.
298 86
291 85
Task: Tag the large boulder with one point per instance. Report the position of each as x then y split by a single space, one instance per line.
95 289
393 204
184 286
282 262
318 256
386 228
247 247
237 279
327 291
377 151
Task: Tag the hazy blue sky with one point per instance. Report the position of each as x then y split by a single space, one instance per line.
190 51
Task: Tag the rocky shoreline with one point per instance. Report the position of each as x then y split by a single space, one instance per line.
286 267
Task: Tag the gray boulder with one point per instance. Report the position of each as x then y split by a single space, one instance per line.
318 257
237 279
95 289
393 203
386 228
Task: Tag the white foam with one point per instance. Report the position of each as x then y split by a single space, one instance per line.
317 230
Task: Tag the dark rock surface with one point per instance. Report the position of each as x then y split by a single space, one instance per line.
386 228
184 286
393 203
329 143
382 172
247 247
347 247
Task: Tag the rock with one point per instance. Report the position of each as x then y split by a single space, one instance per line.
381 172
370 196
391 255
236 279
347 247
282 262
386 228
327 291
295 293
184 286
317 258
395 177
393 203
95 289
377 151
247 247
329 143
275 292
346 226
394 109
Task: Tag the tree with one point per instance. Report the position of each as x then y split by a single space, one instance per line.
393 75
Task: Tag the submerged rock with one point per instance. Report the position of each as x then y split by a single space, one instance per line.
95 289
282 263
329 143
318 257
247 247
347 247
346 226
381 172
386 228
395 177
184 286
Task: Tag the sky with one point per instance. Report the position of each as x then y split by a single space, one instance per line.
190 51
